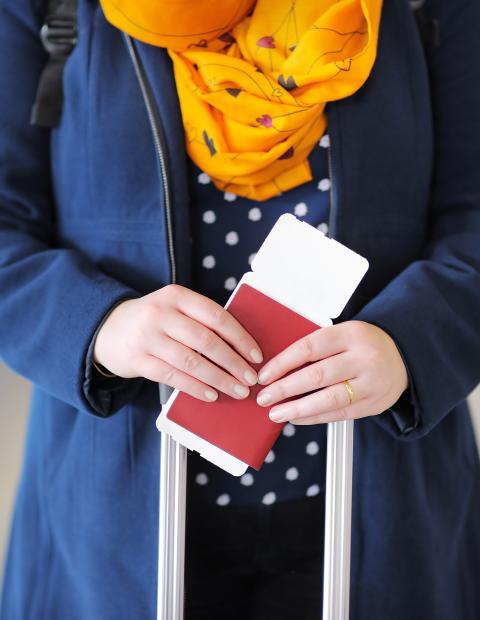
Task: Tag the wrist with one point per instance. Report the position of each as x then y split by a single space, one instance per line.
99 361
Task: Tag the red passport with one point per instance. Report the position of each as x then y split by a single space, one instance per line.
241 427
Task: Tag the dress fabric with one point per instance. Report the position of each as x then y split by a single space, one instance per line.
226 231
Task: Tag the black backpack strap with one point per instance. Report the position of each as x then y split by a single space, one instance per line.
59 36
427 25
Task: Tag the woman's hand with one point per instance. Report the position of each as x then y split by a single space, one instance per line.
160 337
356 351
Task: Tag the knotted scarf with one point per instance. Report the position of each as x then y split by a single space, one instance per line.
253 78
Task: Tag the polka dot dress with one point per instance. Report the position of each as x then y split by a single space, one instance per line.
226 232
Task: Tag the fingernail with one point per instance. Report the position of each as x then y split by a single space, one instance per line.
263 376
250 378
264 398
241 390
278 415
211 395
256 356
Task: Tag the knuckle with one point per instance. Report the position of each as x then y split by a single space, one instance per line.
358 330
333 401
191 362
315 374
177 294
307 347
221 381
278 390
169 376
295 412
207 340
219 316
171 290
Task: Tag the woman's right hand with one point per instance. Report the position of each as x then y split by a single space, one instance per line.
161 336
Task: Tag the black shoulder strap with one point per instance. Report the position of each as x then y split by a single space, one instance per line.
59 36
427 25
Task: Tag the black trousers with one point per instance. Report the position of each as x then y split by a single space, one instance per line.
255 562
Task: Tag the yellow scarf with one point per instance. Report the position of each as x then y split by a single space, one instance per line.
253 85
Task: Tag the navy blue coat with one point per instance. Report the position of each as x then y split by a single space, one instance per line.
83 225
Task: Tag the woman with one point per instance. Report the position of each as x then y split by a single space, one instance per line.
102 214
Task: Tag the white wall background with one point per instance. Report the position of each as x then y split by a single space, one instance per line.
14 396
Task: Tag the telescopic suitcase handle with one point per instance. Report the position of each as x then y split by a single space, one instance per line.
171 531
338 510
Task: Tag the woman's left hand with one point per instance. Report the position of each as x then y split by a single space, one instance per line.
354 351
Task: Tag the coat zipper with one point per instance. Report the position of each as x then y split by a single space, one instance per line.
160 148
333 202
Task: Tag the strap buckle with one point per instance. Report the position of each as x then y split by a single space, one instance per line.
59 36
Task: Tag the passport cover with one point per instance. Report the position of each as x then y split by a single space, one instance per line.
241 427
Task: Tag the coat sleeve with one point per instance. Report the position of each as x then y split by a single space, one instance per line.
432 308
51 299
106 394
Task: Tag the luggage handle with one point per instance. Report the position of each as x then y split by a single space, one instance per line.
338 511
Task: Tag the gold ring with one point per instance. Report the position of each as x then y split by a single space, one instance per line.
349 390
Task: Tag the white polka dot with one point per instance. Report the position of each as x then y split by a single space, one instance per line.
323 227
325 141
301 209
223 500
208 262
251 257
291 473
201 479
324 185
313 490
254 214
288 430
269 498
231 238
270 457
209 216
204 179
247 480
230 283
312 448
229 197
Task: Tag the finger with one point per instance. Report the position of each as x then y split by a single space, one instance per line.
360 409
192 363
333 398
218 319
312 377
323 342
202 339
159 371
